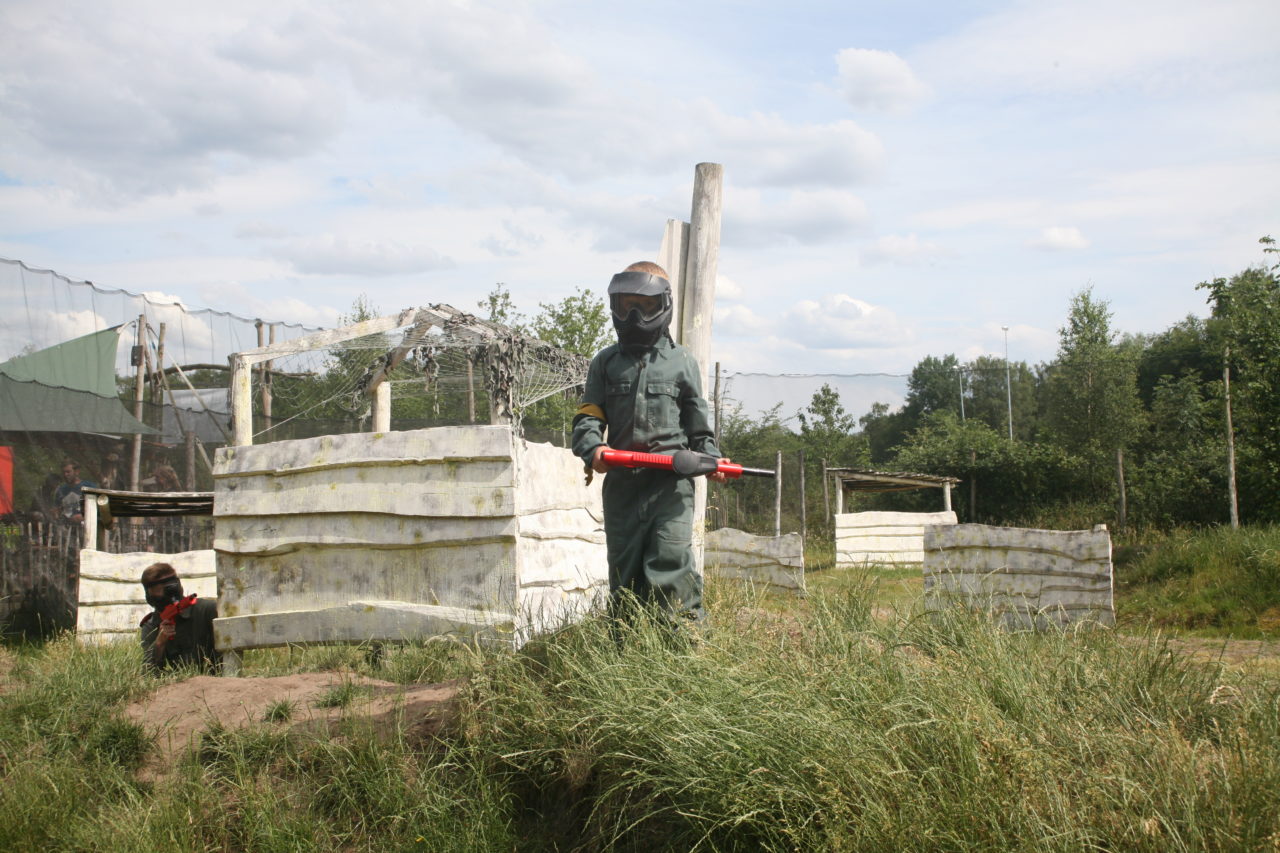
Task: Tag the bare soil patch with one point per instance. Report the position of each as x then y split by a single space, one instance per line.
177 714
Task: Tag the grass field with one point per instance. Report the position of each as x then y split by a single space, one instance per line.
846 720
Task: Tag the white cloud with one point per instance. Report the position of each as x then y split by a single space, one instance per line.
1083 46
895 249
841 322
335 254
262 231
727 289
878 80
807 217
739 321
1059 237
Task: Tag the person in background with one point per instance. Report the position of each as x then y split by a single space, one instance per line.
185 640
109 471
70 494
165 479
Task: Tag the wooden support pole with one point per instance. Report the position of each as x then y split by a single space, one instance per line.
946 497
241 401
382 407
673 257
697 300
89 512
157 377
1232 495
135 456
826 493
715 396
189 442
777 495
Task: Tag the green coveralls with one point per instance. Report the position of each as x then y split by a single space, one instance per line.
192 641
649 399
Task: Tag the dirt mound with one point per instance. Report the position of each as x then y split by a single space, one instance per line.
178 713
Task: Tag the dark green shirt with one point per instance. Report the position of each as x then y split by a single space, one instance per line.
648 399
192 642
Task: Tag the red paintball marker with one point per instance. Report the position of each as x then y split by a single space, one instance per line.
173 608
685 463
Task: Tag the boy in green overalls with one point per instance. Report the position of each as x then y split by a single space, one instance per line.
646 392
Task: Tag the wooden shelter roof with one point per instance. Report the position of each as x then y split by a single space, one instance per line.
862 480
121 504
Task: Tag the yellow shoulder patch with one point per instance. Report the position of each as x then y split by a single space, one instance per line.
592 410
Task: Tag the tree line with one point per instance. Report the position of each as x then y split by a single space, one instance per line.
1125 429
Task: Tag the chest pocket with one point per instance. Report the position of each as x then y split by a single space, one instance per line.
664 409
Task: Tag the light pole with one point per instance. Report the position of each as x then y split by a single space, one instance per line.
1008 385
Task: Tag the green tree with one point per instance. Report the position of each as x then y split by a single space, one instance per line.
988 390
498 307
579 323
828 432
1246 313
1093 407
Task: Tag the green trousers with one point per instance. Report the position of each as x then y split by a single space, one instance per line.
648 526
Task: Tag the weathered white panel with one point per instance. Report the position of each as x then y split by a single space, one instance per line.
773 560
893 538
441 489
112 601
459 519
550 478
1032 577
562 569
408 447
475 574
278 534
357 622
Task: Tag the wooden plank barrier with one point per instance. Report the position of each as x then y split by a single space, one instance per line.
399 535
112 602
884 538
1030 578
767 560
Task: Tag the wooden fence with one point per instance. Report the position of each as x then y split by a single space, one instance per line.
40 565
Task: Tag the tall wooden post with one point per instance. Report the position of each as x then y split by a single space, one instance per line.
826 494
241 401
716 404
697 299
135 457
1232 495
157 377
777 496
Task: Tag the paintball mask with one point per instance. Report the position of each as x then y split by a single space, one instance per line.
641 306
171 592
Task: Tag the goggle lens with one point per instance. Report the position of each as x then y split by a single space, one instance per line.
649 307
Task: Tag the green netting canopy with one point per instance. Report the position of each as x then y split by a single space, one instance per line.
69 387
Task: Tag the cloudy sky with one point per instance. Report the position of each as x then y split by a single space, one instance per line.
901 178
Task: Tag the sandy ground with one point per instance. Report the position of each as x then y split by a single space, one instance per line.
178 713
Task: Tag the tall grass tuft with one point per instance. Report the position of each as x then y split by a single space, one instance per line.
1214 581
830 726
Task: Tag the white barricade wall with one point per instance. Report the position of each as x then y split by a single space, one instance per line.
771 560
1033 578
885 538
112 602
396 535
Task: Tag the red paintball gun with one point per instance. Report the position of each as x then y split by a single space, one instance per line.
685 463
173 608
